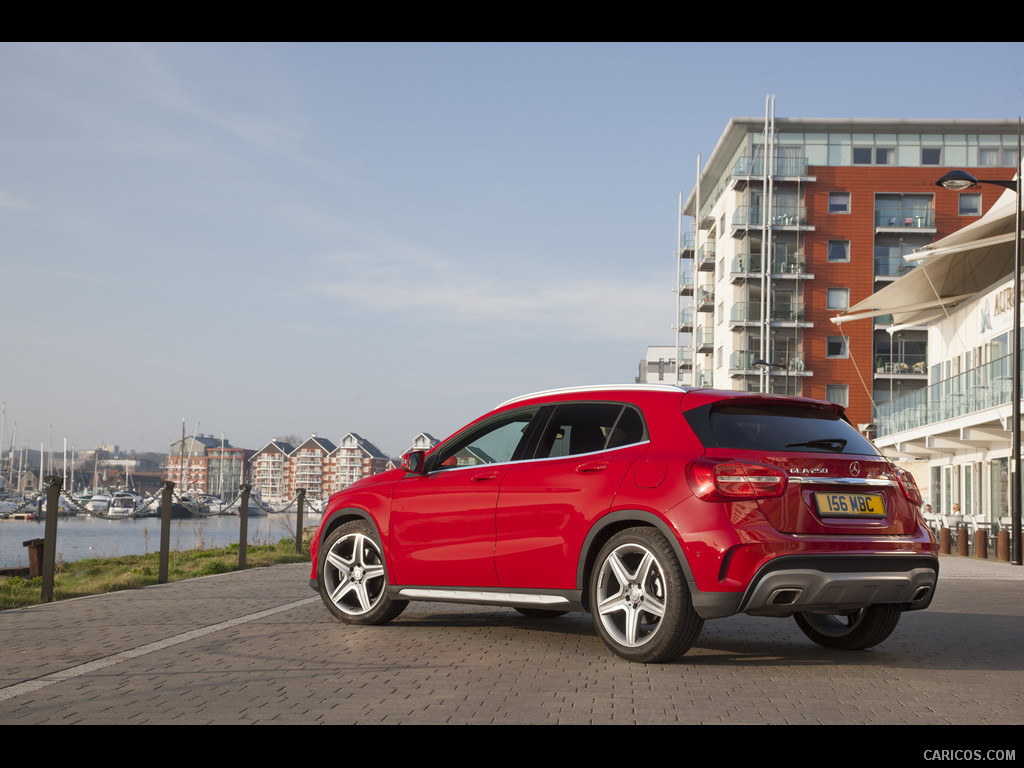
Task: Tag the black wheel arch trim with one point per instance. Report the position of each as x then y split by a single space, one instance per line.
338 518
621 519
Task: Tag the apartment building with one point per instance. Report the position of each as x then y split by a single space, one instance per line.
207 465
793 220
312 465
279 469
958 429
354 459
269 471
659 365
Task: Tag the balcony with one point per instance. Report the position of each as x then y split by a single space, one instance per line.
741 363
749 313
793 167
686 283
970 392
783 216
906 365
706 258
686 246
748 265
891 266
705 300
686 321
902 217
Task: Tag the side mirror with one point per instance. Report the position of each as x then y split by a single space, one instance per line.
415 461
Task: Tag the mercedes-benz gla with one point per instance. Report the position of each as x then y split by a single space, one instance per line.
651 507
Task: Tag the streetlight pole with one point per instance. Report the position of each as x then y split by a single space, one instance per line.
958 181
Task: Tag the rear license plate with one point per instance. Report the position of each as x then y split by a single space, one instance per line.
850 505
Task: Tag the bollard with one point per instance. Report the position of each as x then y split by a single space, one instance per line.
981 544
35 556
1003 546
243 525
298 523
962 541
53 484
944 541
166 504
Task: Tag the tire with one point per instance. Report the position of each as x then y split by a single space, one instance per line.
352 576
860 629
541 613
640 600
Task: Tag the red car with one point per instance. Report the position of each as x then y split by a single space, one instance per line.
651 507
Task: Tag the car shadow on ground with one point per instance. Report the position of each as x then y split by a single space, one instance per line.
935 640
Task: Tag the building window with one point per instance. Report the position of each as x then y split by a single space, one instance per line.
838 202
835 346
838 393
838 250
838 298
873 155
970 204
931 156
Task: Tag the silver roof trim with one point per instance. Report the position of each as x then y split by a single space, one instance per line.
600 388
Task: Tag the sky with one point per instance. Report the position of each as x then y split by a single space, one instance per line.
258 240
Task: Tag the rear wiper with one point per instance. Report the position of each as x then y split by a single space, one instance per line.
837 444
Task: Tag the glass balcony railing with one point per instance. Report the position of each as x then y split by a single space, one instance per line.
975 390
782 215
891 266
745 312
905 216
901 364
750 263
749 312
782 166
747 361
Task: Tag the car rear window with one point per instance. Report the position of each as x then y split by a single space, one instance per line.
777 428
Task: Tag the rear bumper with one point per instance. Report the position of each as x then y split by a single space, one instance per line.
829 583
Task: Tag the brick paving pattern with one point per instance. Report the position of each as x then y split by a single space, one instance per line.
258 647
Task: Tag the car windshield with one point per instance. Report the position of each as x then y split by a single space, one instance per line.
783 428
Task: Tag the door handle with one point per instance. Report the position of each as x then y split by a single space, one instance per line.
484 478
593 466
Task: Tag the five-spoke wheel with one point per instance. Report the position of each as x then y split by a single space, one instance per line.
640 600
352 578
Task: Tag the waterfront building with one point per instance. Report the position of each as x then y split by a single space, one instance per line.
957 429
268 469
354 459
794 220
311 466
659 366
207 465
424 441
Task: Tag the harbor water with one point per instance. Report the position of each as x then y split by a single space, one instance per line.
82 537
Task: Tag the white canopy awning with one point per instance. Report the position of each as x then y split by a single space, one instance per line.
952 270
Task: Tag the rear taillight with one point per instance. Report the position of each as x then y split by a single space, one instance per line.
909 487
734 480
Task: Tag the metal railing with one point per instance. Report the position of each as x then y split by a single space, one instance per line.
978 389
53 491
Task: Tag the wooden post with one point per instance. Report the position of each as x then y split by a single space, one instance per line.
53 485
298 522
243 525
166 503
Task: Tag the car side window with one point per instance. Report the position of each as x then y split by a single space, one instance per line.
498 440
575 428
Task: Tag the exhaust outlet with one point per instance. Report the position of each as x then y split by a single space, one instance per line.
785 596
